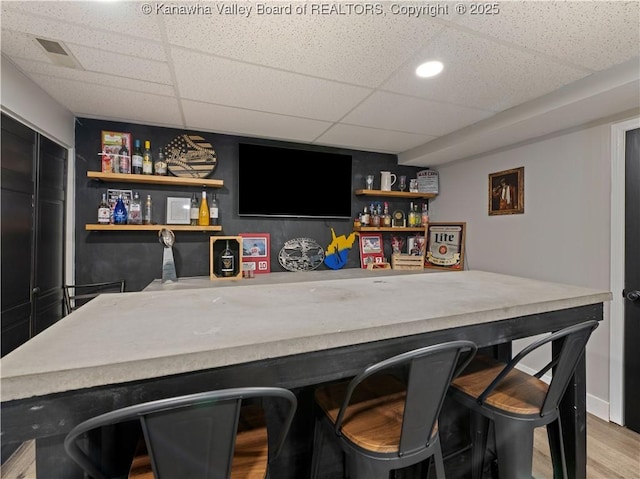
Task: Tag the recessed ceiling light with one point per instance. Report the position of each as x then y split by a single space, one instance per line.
429 69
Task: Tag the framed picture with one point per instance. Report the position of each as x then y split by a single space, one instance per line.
506 192
178 211
225 257
445 246
371 249
256 253
415 245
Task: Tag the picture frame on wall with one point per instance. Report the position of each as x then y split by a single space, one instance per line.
256 253
506 192
371 249
445 246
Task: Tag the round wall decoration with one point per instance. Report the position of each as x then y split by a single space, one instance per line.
190 156
301 254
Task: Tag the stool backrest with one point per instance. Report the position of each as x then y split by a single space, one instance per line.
75 295
573 341
430 371
187 436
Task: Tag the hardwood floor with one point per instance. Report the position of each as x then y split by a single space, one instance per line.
613 453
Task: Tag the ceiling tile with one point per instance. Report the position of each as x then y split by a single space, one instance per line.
371 139
121 65
594 34
481 73
389 111
326 46
232 83
121 17
98 101
74 34
105 79
21 45
250 123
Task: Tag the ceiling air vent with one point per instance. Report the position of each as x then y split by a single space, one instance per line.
58 53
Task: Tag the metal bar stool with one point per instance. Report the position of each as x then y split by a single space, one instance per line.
517 403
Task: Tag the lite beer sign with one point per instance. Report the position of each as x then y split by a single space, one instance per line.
444 246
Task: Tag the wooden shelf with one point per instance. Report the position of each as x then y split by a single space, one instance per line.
154 179
419 229
96 227
395 194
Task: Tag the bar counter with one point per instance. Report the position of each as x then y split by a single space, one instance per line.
288 330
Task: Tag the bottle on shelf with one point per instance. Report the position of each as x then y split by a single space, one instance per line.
136 159
203 212
213 210
135 210
411 217
160 166
107 162
120 213
147 211
227 261
147 159
425 215
386 217
125 159
375 216
104 212
365 218
194 210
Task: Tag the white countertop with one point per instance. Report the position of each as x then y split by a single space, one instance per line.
132 336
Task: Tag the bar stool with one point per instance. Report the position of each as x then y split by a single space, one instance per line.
207 435
517 403
386 418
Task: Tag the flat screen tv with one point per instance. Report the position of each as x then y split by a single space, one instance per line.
290 182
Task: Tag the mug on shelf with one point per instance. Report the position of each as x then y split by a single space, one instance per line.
387 180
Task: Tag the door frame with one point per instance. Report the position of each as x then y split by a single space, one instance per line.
616 312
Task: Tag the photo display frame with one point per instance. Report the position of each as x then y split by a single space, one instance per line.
222 266
445 246
178 211
371 249
506 192
256 252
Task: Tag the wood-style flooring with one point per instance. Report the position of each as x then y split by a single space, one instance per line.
613 453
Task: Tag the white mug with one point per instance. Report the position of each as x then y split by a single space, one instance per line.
386 181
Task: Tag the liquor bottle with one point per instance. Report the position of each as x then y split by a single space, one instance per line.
120 212
386 217
107 162
147 159
203 212
425 215
411 217
227 261
135 210
194 211
147 211
365 218
160 166
136 159
125 158
213 210
375 216
104 212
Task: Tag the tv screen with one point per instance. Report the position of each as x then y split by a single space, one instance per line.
289 182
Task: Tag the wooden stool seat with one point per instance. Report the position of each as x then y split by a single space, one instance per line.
373 420
518 393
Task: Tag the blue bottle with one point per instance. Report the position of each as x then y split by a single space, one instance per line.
120 212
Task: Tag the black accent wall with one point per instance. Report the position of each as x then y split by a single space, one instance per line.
136 256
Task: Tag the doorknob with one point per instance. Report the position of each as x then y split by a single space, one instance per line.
633 295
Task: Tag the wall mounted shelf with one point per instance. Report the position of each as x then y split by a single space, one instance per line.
154 179
96 227
395 194
419 229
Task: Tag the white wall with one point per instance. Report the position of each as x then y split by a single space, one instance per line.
563 235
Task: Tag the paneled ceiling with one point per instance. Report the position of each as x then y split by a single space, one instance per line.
337 73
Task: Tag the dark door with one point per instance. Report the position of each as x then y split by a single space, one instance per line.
32 228
632 282
17 196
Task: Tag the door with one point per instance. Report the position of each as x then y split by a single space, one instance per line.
17 189
32 228
632 281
